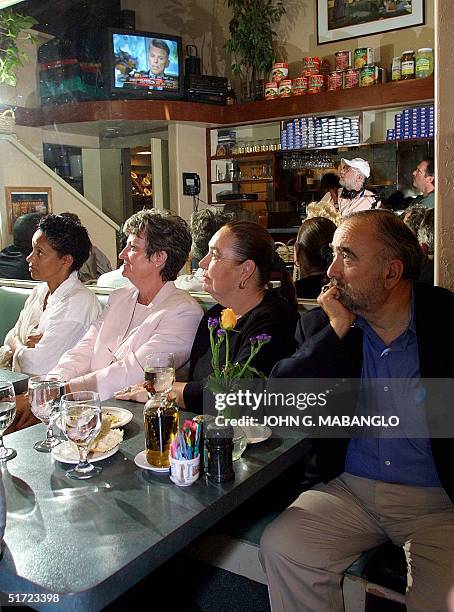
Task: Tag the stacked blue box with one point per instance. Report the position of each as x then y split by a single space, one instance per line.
283 139
391 134
418 122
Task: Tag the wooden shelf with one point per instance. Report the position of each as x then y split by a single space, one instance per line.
351 146
247 156
388 95
256 180
212 202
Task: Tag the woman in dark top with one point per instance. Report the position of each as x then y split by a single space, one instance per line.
312 254
237 269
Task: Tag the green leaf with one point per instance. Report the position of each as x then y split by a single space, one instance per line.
12 58
251 34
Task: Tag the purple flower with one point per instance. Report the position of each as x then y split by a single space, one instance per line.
212 322
263 338
221 332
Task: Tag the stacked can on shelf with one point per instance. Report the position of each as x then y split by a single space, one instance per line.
416 122
279 74
351 69
300 85
285 88
316 132
271 90
343 60
344 76
363 56
311 66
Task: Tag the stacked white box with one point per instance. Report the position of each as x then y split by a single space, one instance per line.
317 132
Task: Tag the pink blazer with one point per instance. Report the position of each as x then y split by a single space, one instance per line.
108 359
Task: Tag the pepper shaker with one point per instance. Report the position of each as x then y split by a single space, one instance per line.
219 444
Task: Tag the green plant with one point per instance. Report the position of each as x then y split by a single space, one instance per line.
12 31
251 36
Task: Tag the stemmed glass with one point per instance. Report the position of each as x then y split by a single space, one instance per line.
44 394
160 372
7 414
81 420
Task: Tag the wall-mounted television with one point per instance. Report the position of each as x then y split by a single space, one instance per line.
143 65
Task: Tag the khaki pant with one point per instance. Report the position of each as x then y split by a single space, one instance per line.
305 551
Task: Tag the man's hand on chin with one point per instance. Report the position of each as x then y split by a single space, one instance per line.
340 318
24 416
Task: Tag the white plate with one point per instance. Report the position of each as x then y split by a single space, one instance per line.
256 433
121 413
141 461
66 453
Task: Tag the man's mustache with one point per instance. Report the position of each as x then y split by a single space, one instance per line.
333 282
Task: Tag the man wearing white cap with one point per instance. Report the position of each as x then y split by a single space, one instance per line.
353 196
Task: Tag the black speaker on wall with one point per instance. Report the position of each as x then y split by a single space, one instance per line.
128 19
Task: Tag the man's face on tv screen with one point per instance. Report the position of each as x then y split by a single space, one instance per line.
158 60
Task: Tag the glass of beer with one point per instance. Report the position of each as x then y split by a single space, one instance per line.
160 373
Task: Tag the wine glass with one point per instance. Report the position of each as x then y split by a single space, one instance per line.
160 372
7 414
44 394
81 420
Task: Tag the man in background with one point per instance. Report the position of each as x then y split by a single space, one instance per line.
96 264
424 181
203 225
352 195
115 278
13 262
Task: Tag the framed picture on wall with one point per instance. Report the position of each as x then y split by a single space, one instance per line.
343 19
23 200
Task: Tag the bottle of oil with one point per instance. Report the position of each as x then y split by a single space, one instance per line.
161 418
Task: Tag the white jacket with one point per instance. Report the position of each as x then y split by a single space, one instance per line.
70 310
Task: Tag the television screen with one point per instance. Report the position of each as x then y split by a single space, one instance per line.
144 64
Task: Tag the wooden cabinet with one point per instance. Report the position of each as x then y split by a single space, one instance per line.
242 178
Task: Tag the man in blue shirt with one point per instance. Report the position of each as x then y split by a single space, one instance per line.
377 325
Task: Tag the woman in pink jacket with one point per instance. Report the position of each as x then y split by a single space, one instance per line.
151 316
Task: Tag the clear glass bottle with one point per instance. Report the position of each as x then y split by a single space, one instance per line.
396 69
424 62
407 68
161 419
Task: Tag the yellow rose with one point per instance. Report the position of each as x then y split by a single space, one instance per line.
228 319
